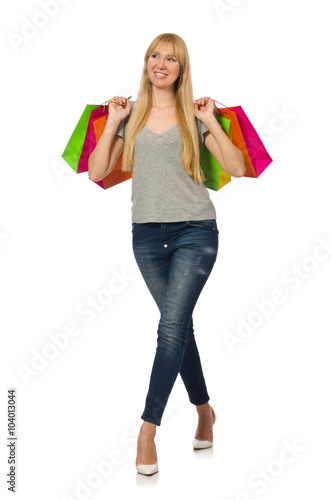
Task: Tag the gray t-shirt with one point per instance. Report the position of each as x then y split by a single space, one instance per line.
162 190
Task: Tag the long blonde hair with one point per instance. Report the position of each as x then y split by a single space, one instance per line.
190 154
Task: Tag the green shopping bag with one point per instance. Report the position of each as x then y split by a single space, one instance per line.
215 177
73 149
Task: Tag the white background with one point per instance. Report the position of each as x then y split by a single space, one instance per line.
62 238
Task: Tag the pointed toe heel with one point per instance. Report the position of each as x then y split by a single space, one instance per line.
199 444
147 470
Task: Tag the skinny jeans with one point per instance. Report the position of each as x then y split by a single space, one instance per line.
175 260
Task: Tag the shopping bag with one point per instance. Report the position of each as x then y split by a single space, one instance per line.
238 138
86 149
245 137
73 149
258 154
215 177
77 150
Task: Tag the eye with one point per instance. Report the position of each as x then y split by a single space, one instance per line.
169 58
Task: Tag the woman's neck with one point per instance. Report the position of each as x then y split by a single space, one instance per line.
163 98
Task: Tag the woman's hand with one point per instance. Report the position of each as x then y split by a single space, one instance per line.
116 110
207 107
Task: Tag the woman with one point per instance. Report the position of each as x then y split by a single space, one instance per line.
174 230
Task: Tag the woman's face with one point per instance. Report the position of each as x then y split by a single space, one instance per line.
162 67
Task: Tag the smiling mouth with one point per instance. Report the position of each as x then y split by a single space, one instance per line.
160 75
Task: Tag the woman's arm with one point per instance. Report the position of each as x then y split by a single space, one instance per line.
229 157
105 154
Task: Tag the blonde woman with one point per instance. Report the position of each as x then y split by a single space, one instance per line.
174 229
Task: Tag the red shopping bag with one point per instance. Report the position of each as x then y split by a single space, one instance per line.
86 151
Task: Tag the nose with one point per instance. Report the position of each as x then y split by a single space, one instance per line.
161 63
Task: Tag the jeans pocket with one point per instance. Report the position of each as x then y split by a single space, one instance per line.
134 228
209 224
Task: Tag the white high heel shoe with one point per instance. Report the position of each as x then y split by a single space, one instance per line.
199 444
147 470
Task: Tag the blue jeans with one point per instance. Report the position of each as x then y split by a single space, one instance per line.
175 260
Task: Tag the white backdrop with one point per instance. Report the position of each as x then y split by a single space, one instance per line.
78 325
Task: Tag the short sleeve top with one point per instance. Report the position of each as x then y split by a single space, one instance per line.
162 190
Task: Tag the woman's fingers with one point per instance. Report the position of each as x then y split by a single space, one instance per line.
118 100
117 108
116 104
202 101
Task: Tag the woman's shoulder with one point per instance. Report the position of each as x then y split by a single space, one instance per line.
132 103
